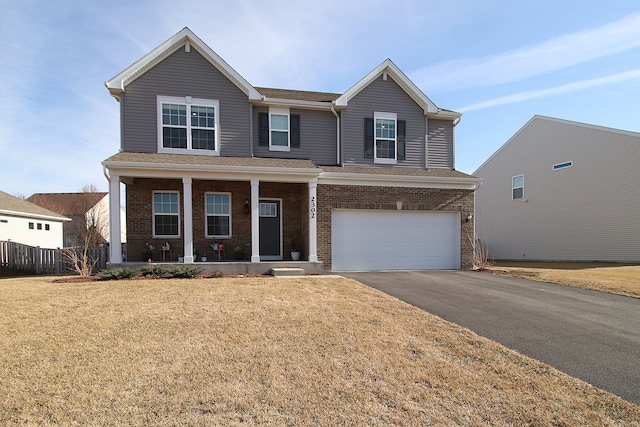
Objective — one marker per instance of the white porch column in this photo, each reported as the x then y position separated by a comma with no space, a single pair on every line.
115,245
187,193
255,220
313,217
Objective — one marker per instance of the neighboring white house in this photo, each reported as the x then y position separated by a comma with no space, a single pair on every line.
29,224
561,190
83,208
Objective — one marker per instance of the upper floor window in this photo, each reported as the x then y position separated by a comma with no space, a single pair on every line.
166,213
384,138
279,129
186,123
218,213
517,187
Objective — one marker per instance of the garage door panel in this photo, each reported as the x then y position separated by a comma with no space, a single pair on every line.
390,240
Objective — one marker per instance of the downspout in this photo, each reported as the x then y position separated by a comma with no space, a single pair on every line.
453,148
250,130
338,145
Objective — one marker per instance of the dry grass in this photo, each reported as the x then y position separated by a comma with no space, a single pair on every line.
608,277
264,351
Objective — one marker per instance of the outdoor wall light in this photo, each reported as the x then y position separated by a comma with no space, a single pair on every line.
246,209
469,217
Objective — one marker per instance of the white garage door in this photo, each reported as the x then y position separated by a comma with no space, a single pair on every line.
394,240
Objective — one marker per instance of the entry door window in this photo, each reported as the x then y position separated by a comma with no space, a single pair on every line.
270,230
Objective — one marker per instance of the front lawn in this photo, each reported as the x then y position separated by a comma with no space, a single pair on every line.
265,351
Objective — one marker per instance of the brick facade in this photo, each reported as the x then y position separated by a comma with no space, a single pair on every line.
140,216
384,198
295,221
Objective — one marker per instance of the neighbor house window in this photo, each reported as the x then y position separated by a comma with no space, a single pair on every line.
186,123
166,214
31,226
218,213
517,187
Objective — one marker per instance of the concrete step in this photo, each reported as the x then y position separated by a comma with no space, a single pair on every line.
283,272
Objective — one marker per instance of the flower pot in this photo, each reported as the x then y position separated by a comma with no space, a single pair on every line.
295,256
180,259
203,259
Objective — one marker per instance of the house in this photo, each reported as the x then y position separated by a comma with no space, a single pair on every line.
364,180
29,224
85,209
561,190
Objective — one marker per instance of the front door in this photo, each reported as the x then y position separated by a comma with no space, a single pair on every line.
270,230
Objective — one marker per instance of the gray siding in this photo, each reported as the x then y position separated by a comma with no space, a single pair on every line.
585,212
184,74
440,146
317,137
383,96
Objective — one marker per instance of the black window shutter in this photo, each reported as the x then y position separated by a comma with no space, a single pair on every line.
402,128
295,130
368,137
263,128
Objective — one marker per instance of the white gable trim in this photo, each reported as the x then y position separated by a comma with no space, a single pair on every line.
553,119
389,69
188,39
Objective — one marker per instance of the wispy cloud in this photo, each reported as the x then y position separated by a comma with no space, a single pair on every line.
554,91
529,61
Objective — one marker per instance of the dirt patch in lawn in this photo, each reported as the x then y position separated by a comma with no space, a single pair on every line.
608,277
255,351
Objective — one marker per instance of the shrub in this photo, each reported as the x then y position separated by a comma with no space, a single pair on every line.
163,271
116,274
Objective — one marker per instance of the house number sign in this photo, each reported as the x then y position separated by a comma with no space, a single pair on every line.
312,209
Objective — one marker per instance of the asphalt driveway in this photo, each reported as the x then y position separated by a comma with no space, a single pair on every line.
590,335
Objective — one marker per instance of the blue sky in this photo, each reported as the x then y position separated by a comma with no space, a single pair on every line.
497,62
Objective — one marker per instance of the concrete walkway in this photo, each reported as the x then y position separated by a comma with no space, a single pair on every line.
590,335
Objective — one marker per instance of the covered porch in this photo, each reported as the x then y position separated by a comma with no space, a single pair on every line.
270,206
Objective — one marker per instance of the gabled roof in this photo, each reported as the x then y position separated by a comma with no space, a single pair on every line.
187,38
10,205
538,118
68,203
388,68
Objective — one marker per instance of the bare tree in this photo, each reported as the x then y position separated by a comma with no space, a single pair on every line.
87,230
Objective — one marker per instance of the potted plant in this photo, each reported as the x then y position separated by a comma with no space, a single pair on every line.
147,253
295,250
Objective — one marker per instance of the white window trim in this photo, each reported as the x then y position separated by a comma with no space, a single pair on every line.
153,214
280,111
188,101
513,188
388,116
207,215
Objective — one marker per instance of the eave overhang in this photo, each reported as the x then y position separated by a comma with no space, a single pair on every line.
34,216
117,85
412,181
390,69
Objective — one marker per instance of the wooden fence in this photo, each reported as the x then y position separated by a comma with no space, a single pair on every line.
39,260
